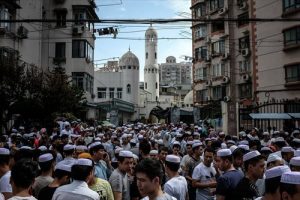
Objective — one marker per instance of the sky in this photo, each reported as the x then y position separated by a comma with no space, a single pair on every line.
132,35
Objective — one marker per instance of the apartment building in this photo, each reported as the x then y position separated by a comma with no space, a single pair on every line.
50,44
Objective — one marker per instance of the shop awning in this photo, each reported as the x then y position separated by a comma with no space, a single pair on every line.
272,116
295,115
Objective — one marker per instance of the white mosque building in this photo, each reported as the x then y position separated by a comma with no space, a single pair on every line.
118,97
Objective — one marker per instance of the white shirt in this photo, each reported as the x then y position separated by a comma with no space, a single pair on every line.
22,198
77,190
176,187
4,183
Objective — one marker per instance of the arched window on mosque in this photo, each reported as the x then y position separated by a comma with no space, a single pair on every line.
128,88
146,55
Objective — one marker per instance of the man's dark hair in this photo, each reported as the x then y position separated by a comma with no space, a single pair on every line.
46,166
4,159
58,173
145,147
252,161
172,166
151,168
238,152
96,148
291,189
272,184
121,159
23,154
81,172
209,149
69,152
229,158
23,173
163,148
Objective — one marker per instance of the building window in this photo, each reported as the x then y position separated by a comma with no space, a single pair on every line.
200,10
218,26
201,53
218,92
218,69
215,5
201,95
245,90
78,16
292,73
128,88
82,49
244,42
218,47
200,31
201,74
101,93
60,50
290,5
111,93
155,55
156,85
5,15
146,85
83,81
243,19
244,66
146,55
291,36
61,18
119,93
129,67
77,79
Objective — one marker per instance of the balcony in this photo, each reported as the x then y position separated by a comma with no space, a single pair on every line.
10,4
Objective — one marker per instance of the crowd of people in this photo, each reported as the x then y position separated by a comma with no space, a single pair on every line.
149,162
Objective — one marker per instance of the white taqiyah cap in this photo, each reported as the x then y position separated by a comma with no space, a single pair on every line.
4,151
45,157
176,143
273,157
297,153
265,149
244,142
196,134
117,150
291,178
221,133
135,157
68,147
244,146
190,143
43,148
223,146
250,155
94,144
224,152
296,140
63,167
287,149
140,137
295,161
232,148
26,147
160,142
266,133
173,159
196,144
81,147
279,139
178,135
84,162
153,152
126,154
231,142
276,171
133,141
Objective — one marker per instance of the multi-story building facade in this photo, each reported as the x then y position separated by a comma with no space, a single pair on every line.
222,59
49,44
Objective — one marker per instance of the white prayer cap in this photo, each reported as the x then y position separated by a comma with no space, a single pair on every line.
97,139
207,139
188,132
140,137
196,144
160,142
279,139
176,143
231,142
26,147
296,140
43,148
273,157
232,148
196,134
297,153
189,142
295,161
68,147
117,150
223,146
178,135
173,159
265,149
291,178
84,162
250,155
244,146
45,157
242,133
135,157
287,149
133,141
124,136
244,142
63,167
153,152
224,152
75,135
266,133
81,147
221,133
4,151
126,154
276,171
94,144
66,123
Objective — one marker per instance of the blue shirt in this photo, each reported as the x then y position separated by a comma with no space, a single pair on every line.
101,170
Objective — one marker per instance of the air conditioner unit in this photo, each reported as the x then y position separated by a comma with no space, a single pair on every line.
222,11
208,98
78,30
246,77
225,56
208,40
226,98
22,32
225,80
245,52
243,5
208,83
